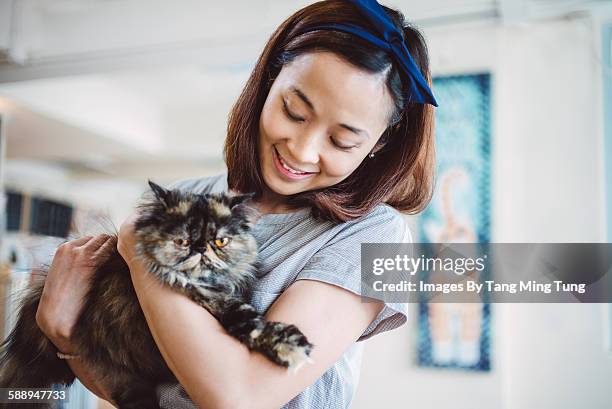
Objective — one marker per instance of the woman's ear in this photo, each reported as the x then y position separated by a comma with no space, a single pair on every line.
376,148
382,141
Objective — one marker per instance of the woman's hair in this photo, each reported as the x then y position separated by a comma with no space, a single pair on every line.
401,172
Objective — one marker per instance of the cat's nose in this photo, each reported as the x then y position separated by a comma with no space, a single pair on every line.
191,262
210,254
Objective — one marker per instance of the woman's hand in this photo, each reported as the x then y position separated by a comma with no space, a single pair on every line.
67,284
126,243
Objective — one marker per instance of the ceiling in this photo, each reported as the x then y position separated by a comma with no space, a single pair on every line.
105,87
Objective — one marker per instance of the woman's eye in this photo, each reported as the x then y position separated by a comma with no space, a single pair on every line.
222,242
342,147
291,115
181,242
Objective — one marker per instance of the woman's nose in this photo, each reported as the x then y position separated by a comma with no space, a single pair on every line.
304,149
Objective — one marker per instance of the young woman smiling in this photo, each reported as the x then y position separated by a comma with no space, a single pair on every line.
334,134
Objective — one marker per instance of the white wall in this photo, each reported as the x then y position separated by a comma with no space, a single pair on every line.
547,186
390,378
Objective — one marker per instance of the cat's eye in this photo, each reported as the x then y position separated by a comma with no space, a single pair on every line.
222,242
181,242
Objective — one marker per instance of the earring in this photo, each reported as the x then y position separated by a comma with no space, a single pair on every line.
371,155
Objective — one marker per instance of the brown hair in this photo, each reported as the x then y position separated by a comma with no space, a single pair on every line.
401,172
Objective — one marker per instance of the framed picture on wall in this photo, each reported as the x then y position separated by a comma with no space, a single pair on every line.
456,335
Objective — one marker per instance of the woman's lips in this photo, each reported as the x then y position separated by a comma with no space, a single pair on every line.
278,163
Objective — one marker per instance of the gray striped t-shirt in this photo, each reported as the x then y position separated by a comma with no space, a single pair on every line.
295,246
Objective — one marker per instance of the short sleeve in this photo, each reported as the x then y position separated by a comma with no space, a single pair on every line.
339,262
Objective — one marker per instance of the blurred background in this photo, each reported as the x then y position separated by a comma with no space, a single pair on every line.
97,96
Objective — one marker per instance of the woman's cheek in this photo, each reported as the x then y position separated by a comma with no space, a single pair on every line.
274,123
275,128
339,166
267,119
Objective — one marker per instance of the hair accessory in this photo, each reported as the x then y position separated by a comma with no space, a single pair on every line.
61,355
371,155
389,38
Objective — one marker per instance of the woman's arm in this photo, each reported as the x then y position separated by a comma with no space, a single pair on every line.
84,373
215,369
79,368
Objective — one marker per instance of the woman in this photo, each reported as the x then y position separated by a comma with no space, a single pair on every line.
333,132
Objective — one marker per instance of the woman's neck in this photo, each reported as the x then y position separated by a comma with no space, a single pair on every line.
271,202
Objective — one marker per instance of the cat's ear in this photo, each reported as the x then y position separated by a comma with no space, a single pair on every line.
247,214
160,193
239,198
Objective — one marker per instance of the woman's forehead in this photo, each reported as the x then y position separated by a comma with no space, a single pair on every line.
338,89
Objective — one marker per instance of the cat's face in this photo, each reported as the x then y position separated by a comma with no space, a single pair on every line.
195,235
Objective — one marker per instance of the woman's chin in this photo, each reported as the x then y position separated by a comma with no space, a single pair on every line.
283,188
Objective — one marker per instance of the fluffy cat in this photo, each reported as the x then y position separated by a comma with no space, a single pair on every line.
198,244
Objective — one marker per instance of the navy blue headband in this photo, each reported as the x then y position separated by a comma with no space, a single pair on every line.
389,39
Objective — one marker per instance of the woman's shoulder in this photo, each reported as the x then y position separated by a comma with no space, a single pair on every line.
382,224
384,211
206,184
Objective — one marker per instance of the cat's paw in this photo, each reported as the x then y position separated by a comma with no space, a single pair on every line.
292,348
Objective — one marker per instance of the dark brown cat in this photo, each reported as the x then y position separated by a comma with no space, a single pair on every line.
200,245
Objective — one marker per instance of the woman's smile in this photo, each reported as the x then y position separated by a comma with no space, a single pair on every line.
286,170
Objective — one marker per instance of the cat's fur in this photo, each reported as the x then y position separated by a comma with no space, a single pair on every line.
111,333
